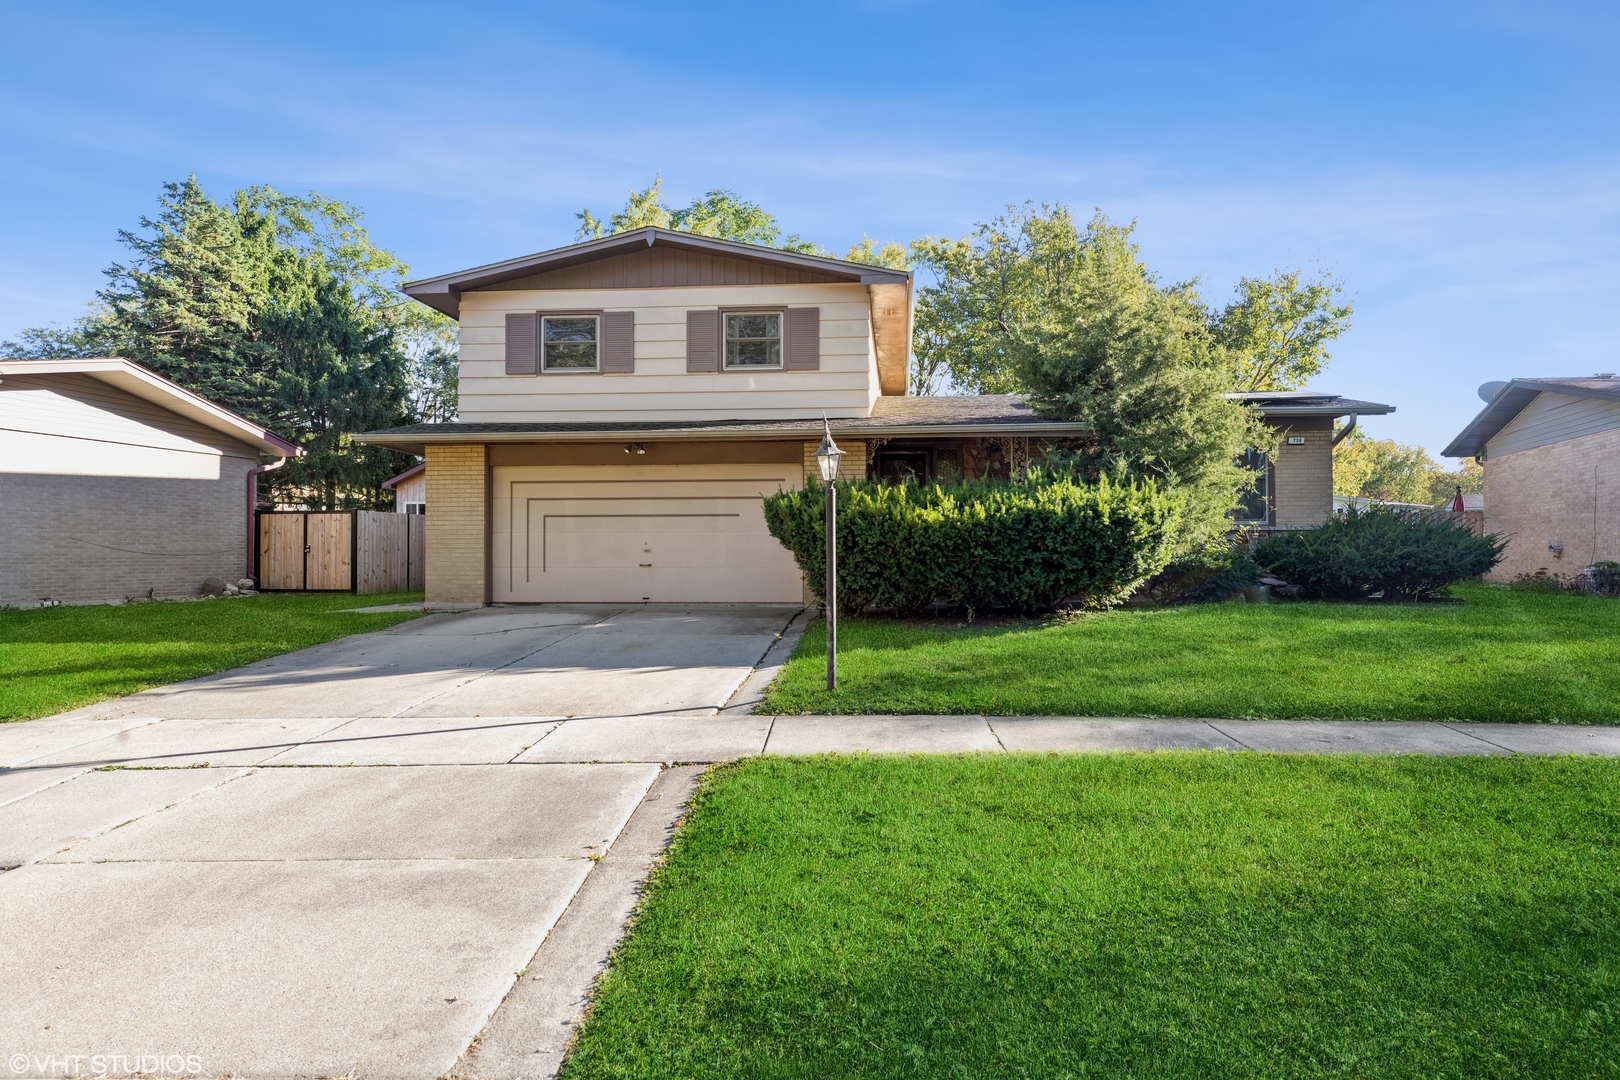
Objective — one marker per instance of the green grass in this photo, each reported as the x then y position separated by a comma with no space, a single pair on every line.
52,659
1151,915
1500,655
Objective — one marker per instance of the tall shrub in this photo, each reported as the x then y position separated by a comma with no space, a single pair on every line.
1025,546
1404,556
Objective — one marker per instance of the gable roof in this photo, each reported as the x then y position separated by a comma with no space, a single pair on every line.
443,293
133,379
406,475
1512,397
1308,403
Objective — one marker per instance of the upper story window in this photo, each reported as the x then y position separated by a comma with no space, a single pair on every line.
753,339
569,342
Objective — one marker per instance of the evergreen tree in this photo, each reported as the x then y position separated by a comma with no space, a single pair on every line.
281,309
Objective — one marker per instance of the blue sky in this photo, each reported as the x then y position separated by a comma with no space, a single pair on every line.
1455,163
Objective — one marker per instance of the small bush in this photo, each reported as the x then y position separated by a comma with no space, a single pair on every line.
1603,578
1214,572
976,544
1403,556
1542,582
1599,579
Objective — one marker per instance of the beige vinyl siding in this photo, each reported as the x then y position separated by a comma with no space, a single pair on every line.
1553,418
74,425
660,388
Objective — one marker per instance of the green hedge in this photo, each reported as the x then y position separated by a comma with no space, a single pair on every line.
1403,555
977,544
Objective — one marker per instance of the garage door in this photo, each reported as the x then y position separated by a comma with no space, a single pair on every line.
686,533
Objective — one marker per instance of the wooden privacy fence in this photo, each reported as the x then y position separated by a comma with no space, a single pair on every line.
358,551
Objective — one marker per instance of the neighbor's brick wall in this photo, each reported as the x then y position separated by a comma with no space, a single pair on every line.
1302,476
93,539
1568,492
455,524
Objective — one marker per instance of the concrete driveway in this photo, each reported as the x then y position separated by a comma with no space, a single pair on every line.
192,890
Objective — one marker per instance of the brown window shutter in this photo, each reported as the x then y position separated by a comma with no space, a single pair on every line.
618,342
522,344
803,351
703,340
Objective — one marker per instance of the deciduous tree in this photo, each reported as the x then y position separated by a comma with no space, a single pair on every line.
1277,329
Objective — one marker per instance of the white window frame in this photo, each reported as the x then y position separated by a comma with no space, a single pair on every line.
595,317
781,339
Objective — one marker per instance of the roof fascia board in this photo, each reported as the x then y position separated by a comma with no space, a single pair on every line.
1337,410
810,431
137,381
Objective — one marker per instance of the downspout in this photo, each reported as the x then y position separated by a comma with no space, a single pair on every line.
253,506
1348,428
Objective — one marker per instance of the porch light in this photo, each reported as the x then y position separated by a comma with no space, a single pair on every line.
827,455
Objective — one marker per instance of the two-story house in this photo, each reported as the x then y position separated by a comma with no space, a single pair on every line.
626,402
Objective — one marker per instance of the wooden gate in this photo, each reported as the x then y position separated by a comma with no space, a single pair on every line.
389,551
341,551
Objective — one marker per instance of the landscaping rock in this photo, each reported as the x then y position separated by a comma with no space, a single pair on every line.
245,584
212,587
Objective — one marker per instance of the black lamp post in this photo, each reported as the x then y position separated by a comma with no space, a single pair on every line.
827,458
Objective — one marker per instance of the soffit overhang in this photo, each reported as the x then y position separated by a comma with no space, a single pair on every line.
137,381
1511,400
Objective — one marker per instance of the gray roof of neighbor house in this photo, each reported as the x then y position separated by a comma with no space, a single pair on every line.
134,379
1510,399
1309,403
444,292
892,417
406,475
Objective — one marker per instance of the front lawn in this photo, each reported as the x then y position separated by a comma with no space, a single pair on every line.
52,659
1148,915
1501,655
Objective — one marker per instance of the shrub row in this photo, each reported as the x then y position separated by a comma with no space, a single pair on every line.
1402,555
979,544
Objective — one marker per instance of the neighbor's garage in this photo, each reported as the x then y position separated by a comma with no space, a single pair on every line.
658,533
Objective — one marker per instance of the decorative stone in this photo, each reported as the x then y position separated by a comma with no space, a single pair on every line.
212,587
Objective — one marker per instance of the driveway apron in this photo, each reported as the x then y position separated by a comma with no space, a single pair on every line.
189,881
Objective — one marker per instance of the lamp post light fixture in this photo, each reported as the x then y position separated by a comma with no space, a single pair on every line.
827,458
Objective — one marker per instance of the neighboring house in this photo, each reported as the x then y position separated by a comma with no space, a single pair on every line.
1341,503
115,482
1295,489
625,403
1550,449
410,490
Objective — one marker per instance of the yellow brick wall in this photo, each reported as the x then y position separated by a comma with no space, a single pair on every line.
1302,476
852,466
455,524
1566,493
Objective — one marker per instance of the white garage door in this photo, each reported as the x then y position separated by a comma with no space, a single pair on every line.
633,534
